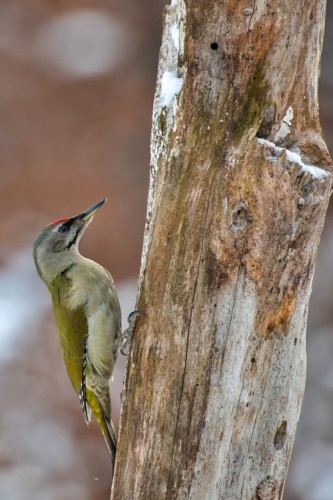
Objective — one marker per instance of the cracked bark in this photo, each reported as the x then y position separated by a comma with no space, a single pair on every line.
216,373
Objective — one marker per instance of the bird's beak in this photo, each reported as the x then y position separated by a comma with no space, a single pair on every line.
87,214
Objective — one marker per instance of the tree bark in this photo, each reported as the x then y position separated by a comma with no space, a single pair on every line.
240,183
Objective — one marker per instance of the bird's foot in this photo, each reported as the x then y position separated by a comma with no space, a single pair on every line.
126,337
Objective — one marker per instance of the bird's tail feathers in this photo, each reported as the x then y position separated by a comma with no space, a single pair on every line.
109,434
99,406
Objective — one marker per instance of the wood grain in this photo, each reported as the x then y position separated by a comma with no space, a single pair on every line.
216,373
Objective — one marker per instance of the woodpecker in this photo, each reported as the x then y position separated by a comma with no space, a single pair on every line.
87,315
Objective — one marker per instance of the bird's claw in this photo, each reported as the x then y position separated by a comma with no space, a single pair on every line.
128,333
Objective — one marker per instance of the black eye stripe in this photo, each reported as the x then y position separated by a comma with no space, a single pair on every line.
65,226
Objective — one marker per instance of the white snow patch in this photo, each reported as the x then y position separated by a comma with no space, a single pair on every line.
268,143
316,172
283,131
285,124
288,116
171,85
174,30
173,2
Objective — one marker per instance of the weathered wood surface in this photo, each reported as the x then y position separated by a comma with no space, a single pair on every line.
217,369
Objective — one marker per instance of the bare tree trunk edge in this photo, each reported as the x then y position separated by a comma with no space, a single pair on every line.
240,183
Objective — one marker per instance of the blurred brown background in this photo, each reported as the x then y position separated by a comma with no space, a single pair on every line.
76,89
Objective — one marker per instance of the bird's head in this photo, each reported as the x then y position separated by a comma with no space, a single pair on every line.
56,244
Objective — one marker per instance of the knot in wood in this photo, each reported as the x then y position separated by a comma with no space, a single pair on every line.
248,11
280,435
240,217
266,490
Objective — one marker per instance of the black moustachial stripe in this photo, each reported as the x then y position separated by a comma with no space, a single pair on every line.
74,239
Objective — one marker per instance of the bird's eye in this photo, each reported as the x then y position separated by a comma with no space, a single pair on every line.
63,228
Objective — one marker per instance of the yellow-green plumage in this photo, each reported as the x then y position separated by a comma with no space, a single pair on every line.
72,328
87,315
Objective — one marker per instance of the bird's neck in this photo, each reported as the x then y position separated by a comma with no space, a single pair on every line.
52,265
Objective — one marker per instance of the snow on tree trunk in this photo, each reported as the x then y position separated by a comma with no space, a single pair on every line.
240,182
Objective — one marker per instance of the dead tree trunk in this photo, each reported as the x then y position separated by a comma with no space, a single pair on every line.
240,182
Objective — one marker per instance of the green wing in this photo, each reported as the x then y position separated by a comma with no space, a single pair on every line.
72,329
